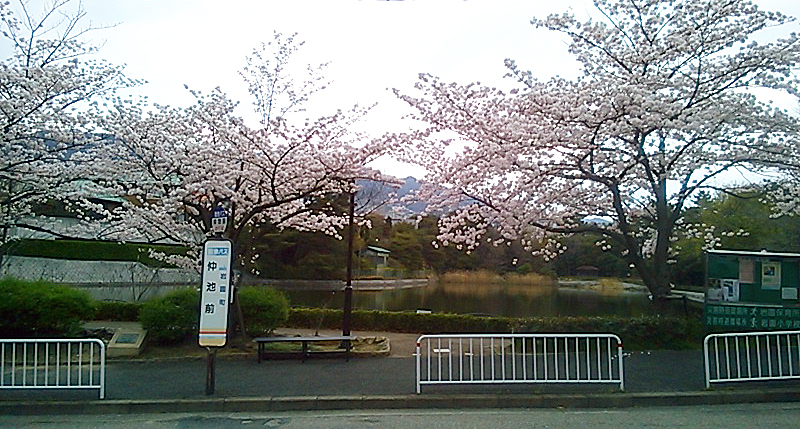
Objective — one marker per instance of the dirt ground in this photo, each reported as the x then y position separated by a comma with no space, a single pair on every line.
400,345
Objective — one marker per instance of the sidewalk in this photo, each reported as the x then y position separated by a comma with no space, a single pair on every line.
178,385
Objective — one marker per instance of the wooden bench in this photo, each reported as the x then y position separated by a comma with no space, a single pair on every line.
263,341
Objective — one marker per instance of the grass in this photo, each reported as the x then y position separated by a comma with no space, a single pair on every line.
610,283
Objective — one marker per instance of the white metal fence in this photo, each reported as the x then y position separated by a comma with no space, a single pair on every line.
53,364
752,356
519,358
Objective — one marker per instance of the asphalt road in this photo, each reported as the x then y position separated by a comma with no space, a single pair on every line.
770,415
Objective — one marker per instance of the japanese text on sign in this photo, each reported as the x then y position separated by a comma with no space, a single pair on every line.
217,251
752,317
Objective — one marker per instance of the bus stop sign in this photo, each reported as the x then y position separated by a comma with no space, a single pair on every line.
216,292
219,220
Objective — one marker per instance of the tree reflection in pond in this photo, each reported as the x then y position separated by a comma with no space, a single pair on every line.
489,299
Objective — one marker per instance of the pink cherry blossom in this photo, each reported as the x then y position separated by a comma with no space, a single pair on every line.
663,108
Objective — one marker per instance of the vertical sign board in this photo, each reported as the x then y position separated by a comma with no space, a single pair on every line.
215,295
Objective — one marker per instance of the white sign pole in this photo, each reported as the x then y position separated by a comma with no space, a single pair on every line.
215,301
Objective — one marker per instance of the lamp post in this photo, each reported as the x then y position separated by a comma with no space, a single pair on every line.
348,288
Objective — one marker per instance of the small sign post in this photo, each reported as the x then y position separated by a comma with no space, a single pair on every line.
215,300
219,220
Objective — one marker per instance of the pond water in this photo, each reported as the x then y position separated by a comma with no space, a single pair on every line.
488,299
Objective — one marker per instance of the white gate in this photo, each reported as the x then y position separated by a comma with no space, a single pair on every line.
752,356
53,364
519,358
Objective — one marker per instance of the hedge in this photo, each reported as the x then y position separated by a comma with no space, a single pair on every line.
117,310
41,309
172,318
263,308
638,333
91,250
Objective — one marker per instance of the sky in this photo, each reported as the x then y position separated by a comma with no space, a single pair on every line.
372,46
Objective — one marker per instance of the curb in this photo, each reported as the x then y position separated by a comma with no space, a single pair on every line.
312,403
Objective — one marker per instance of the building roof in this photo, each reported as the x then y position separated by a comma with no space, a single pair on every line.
377,249
762,253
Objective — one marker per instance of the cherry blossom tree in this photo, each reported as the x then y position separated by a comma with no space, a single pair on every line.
47,134
180,164
664,108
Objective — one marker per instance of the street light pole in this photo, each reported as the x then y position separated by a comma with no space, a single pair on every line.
348,289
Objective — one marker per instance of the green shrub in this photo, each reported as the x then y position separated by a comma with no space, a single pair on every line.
117,310
263,309
92,250
637,333
524,268
39,309
172,318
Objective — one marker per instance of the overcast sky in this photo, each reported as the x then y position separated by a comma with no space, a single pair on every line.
373,46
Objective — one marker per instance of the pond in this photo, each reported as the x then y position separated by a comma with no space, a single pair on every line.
489,299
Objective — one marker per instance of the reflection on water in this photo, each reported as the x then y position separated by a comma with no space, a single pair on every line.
492,299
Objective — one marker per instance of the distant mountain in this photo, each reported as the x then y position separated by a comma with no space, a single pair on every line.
597,220
387,198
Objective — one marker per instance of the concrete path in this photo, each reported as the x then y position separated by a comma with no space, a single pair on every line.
242,384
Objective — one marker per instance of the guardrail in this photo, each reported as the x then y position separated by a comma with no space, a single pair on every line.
751,356
518,358
53,364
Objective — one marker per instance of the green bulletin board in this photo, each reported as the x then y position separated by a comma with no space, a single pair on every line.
752,290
